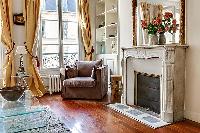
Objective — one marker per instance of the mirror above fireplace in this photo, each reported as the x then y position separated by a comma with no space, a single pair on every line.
156,17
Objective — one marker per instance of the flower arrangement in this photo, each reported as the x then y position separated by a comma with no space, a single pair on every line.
158,25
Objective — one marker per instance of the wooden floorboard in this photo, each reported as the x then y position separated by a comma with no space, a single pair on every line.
82,116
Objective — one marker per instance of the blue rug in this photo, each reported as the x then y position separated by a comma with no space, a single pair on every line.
38,119
138,115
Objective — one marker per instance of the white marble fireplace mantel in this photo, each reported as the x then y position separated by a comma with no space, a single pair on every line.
168,61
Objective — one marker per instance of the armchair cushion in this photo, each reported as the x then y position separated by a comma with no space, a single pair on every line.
71,72
85,67
80,82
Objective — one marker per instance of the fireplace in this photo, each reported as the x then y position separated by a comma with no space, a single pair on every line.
154,78
147,88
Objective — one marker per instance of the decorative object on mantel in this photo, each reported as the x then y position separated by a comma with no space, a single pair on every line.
162,39
153,39
160,26
18,19
138,115
168,24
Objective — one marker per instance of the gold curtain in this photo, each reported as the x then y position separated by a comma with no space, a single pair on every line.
85,27
31,12
6,38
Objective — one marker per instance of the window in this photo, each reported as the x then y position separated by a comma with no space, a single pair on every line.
69,5
50,5
59,33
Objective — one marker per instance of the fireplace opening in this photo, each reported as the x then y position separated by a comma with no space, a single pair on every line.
147,88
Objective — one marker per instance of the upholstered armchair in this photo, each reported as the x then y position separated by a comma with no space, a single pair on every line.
86,80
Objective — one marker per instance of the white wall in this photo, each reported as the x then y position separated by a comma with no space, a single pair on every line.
125,25
192,93
125,21
18,30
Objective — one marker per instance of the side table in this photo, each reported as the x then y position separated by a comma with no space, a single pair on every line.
116,88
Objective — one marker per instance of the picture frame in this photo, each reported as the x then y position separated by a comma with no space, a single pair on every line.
18,19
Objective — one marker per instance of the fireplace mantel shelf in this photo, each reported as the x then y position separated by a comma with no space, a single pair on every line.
174,45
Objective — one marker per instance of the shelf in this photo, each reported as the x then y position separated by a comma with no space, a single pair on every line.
108,26
111,38
102,41
101,2
111,25
102,28
101,14
106,54
114,10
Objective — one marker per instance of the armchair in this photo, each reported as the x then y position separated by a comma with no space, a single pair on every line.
87,80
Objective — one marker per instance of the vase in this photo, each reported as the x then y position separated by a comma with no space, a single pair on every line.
153,39
102,49
114,47
162,39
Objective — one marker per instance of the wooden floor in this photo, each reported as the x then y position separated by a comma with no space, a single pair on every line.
82,116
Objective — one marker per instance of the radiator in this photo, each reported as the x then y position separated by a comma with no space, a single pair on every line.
54,83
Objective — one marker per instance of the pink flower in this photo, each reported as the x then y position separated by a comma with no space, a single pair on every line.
174,29
168,15
157,21
166,28
174,22
144,24
160,30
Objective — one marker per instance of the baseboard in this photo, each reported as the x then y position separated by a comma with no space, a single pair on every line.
194,116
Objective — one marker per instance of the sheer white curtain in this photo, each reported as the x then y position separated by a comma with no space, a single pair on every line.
2,53
2,50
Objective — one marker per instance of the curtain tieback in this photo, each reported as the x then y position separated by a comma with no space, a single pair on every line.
10,50
35,57
92,51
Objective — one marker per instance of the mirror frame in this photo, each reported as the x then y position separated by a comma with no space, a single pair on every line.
182,22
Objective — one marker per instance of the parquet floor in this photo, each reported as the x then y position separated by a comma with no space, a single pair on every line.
83,116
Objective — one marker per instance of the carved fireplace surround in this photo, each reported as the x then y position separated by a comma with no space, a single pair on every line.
168,61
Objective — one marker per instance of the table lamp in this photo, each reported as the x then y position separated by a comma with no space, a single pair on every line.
21,50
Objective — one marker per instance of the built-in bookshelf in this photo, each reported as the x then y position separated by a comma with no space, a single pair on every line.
107,31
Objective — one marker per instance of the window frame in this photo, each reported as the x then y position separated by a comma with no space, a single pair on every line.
61,38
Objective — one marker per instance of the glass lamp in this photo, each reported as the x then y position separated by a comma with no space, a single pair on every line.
21,50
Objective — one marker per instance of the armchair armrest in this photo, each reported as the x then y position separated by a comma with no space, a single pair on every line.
102,78
69,72
101,71
62,74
